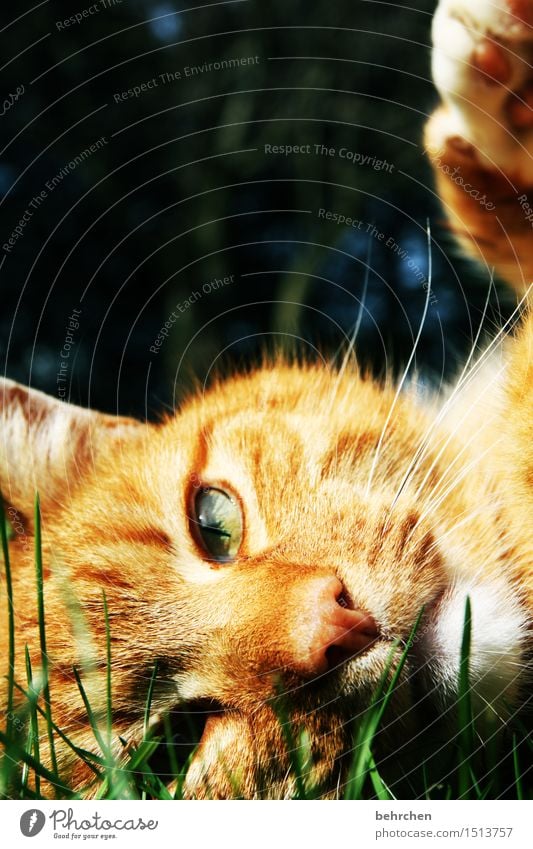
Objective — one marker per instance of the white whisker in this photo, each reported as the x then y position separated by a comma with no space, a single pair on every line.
451,435
454,483
471,515
431,430
407,368
360,312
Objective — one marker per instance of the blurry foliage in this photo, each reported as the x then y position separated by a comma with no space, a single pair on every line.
172,201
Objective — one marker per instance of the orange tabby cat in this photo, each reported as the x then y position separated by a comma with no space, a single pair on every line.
287,526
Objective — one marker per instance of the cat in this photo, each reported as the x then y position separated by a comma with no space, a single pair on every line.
288,525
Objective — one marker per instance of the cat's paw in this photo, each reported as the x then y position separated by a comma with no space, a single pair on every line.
483,68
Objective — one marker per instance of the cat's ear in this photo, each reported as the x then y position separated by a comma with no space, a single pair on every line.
47,446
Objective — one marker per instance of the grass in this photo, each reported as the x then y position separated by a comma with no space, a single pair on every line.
448,763
42,632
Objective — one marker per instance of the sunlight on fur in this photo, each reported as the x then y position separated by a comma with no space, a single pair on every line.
286,526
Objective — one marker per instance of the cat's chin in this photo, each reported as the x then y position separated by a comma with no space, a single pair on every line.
247,743
498,633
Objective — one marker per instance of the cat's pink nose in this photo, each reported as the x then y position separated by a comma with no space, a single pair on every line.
329,631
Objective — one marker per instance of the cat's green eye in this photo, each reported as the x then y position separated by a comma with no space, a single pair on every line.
218,523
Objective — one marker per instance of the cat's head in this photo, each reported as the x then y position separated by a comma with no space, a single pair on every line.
270,547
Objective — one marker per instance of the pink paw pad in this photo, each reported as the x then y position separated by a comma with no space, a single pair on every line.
520,108
461,146
523,10
490,58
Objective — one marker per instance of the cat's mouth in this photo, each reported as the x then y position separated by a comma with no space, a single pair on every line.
181,734
190,724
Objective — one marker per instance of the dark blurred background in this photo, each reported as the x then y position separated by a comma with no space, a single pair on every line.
140,127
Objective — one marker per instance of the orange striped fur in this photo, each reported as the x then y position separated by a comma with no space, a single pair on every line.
407,503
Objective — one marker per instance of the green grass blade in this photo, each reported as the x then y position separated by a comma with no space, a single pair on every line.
153,786
148,705
374,715
143,754
33,734
526,735
11,621
171,748
293,749
92,760
91,717
517,772
428,785
109,691
464,710
115,782
366,732
24,789
42,633
380,788
22,755
147,709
